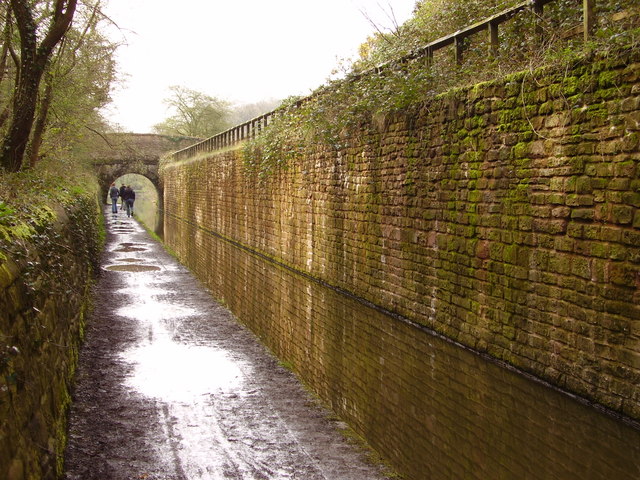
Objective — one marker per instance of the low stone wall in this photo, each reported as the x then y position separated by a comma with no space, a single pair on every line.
44,293
504,216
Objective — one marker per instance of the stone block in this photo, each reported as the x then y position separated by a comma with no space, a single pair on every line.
622,214
9,272
16,470
585,214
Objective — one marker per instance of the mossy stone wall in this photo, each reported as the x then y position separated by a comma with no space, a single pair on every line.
44,294
503,216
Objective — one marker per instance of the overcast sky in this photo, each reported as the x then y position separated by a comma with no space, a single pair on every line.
243,51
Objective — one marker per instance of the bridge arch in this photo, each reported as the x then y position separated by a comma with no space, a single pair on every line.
121,154
147,205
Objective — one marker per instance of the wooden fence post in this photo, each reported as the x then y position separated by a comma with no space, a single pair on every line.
588,17
459,43
428,55
494,41
538,9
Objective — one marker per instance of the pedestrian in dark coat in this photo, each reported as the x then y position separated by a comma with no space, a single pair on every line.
129,198
123,187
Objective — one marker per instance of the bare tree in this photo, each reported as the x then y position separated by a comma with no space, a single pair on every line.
196,114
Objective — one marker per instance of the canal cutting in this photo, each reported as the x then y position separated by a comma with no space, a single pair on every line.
171,386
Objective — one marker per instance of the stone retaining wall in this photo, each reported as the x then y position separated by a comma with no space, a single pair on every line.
503,216
44,293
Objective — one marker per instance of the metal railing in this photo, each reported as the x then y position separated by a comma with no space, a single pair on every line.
228,138
252,128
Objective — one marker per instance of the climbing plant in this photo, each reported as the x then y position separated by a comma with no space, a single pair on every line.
366,94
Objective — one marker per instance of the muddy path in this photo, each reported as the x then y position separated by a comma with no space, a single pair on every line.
170,386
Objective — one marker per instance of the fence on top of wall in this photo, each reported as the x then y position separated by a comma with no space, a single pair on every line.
253,127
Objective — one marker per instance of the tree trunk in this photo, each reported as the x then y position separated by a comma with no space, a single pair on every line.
41,122
33,60
15,142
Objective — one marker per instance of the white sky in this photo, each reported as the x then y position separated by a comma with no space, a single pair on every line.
243,51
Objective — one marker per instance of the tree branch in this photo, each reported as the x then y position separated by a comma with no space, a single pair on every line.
61,23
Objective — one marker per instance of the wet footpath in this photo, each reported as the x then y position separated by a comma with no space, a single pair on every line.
170,386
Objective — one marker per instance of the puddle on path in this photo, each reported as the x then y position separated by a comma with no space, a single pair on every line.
133,268
174,372
147,310
127,249
164,367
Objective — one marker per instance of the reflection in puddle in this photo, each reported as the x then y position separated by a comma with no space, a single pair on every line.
150,311
175,372
165,368
133,268
146,289
144,293
130,249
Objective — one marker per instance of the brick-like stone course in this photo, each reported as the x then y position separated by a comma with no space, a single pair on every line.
44,293
433,409
503,216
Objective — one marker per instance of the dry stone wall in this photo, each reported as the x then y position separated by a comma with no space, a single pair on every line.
504,216
44,293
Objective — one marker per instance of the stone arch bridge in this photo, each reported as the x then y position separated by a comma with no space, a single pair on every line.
118,154
140,153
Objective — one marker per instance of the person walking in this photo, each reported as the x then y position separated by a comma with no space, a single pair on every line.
114,193
122,202
129,198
